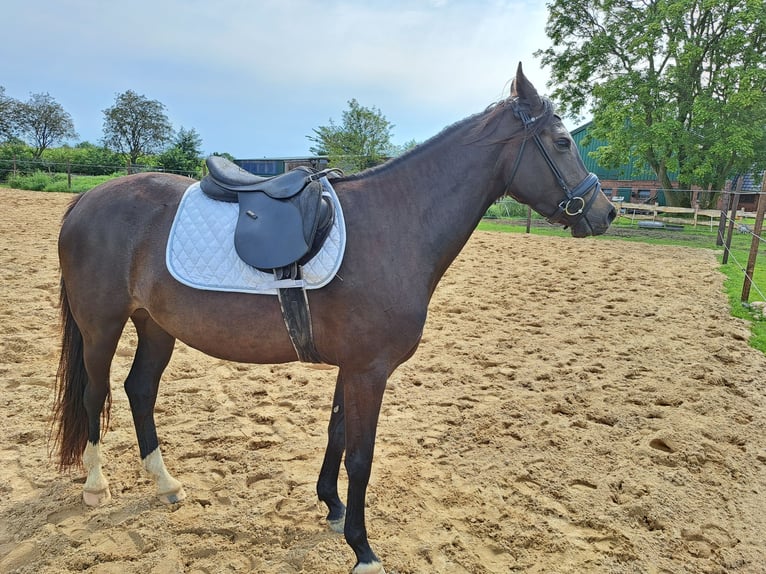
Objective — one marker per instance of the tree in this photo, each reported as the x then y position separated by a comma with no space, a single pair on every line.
362,139
184,155
136,126
678,84
8,108
396,150
42,122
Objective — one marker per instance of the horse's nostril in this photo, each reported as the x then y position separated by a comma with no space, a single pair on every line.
612,214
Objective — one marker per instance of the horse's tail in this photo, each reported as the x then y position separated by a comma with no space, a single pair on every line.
70,419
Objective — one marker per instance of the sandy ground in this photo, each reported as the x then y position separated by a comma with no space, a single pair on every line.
576,406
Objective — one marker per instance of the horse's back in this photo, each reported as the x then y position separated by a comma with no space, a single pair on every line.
139,191
111,228
120,206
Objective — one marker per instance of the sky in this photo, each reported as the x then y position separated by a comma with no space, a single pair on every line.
255,77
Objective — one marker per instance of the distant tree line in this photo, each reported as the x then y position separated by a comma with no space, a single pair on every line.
137,134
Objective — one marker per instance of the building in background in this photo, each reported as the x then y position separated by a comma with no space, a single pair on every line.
632,184
268,167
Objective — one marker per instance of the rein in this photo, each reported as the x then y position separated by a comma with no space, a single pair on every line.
573,207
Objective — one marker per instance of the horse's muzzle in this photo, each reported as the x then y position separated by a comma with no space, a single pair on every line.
597,219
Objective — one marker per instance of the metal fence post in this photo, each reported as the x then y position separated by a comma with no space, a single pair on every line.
730,230
755,243
725,203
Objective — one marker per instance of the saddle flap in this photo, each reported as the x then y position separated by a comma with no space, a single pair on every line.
273,233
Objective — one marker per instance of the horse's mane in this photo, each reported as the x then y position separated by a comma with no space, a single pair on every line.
485,125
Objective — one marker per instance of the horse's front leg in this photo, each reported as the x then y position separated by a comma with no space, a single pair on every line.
327,485
363,395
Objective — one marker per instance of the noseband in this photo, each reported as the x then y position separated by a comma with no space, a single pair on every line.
574,207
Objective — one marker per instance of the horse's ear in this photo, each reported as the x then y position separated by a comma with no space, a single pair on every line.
523,89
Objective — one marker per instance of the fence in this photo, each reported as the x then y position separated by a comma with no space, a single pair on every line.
666,214
13,166
728,222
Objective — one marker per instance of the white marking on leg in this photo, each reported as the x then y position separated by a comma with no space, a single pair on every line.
338,524
96,489
169,489
369,568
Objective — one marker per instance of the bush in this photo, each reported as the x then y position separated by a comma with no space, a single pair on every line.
507,208
14,155
37,181
59,182
84,159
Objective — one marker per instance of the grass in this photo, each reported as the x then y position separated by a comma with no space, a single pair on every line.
701,237
735,278
56,182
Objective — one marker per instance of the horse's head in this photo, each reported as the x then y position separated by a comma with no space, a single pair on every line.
544,169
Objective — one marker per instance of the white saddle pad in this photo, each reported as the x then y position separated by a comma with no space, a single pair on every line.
201,254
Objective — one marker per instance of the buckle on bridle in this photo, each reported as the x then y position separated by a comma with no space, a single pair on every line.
567,207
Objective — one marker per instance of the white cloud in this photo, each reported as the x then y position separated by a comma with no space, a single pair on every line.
231,63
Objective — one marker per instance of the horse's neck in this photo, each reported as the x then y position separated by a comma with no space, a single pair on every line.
433,198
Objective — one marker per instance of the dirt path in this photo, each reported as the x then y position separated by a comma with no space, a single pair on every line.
576,406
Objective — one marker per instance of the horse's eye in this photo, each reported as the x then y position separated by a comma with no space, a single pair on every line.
563,143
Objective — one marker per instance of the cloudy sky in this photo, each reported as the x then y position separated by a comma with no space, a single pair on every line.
255,77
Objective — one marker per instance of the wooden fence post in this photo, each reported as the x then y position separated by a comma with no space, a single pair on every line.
529,218
755,243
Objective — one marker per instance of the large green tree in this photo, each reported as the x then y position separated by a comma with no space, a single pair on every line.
361,140
8,107
677,84
184,156
136,126
42,121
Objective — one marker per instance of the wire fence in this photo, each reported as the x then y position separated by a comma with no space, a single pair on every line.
14,167
728,223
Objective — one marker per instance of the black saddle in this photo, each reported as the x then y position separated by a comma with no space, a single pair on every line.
283,220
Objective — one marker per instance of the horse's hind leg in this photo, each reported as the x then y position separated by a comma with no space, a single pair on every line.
97,359
327,485
155,347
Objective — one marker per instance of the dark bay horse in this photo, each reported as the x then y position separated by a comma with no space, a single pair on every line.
406,221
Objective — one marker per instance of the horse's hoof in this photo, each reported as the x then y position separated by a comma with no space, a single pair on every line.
338,524
96,497
173,496
369,568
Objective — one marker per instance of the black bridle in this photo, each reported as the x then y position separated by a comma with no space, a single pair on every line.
574,206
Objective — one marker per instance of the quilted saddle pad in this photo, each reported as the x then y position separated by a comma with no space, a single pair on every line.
200,251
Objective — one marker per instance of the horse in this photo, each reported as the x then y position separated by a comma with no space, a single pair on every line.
406,221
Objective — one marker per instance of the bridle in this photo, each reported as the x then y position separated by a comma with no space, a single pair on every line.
574,207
